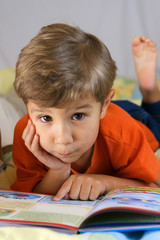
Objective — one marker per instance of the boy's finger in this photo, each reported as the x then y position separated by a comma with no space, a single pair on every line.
85,191
63,191
94,193
26,130
29,137
75,188
35,144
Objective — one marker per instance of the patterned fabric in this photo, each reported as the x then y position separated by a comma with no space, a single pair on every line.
127,89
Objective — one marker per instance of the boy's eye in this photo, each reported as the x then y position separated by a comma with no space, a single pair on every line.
46,118
78,116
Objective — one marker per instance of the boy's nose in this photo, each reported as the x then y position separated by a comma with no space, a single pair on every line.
63,135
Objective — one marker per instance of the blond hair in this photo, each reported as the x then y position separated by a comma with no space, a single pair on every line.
61,64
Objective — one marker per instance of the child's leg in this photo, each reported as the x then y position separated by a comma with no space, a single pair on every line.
145,59
142,115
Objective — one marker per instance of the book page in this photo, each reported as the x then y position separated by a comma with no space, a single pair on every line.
143,199
36,208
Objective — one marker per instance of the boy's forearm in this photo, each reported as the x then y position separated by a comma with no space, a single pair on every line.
52,181
157,182
115,182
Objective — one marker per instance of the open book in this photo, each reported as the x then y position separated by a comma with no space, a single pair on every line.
126,208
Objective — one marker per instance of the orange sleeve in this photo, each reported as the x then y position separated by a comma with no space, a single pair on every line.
29,170
133,156
137,162
122,148
149,136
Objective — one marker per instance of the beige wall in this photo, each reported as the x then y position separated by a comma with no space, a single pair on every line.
116,22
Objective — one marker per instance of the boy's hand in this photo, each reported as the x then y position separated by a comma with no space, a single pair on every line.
31,140
82,186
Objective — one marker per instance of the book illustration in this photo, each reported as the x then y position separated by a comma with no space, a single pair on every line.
132,197
5,212
23,196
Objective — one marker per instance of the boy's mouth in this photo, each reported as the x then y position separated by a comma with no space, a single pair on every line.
64,154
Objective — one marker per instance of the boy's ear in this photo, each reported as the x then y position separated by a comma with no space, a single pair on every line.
107,102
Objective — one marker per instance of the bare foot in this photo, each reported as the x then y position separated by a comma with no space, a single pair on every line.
145,59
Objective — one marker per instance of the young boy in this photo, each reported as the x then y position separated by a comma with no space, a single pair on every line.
74,142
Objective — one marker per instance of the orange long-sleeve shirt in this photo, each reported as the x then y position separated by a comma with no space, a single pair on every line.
124,148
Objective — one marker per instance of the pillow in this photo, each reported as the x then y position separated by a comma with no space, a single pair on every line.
7,76
12,107
126,89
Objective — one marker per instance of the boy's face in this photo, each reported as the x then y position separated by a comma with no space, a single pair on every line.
70,132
